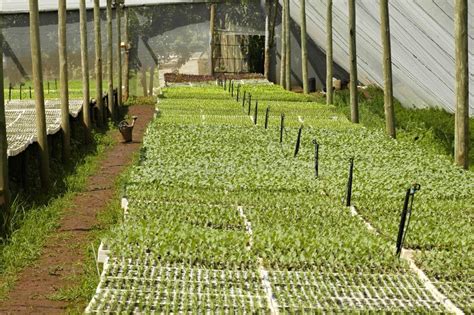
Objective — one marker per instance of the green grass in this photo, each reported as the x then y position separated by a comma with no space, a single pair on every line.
432,128
35,218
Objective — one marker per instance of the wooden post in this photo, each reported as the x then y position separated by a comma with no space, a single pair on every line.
118,17
283,47
98,64
353,61
4,185
271,12
461,142
126,62
110,61
212,22
304,49
152,75
387,69
329,55
63,80
145,87
288,46
39,94
85,71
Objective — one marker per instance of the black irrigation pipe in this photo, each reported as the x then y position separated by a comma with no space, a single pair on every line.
267,112
405,217
243,99
238,92
349,182
316,157
10,92
282,126
256,113
298,142
250,104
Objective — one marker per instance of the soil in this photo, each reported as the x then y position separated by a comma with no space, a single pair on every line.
62,257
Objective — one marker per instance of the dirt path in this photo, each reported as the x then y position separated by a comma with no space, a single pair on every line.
63,256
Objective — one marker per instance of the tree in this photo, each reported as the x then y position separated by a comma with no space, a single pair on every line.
461,141
353,62
39,94
329,58
387,69
304,49
63,80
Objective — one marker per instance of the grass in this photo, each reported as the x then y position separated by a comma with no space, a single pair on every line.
432,128
35,218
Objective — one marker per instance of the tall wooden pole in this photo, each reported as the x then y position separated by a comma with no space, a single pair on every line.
85,71
266,69
304,48
126,62
288,46
387,69
283,47
329,55
4,186
271,8
145,86
118,13
461,138
212,22
39,94
98,64
353,61
63,80
110,61
152,82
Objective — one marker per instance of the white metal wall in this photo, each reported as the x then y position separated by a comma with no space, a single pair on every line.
422,46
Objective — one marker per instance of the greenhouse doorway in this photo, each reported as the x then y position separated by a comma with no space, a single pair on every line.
235,52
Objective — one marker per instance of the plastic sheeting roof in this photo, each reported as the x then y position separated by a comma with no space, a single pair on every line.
422,46
22,6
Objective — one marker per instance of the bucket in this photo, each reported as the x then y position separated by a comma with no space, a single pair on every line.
126,129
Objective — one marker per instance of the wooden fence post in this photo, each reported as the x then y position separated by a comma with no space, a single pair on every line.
353,62
304,49
110,61
98,64
461,142
118,17
4,185
63,80
39,94
387,69
329,55
85,72
212,21
283,47
288,46
126,62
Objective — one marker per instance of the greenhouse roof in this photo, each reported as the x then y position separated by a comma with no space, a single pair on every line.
21,6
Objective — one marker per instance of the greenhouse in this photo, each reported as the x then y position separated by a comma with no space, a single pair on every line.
236,157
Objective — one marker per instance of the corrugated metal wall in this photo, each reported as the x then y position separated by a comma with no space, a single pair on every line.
422,46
